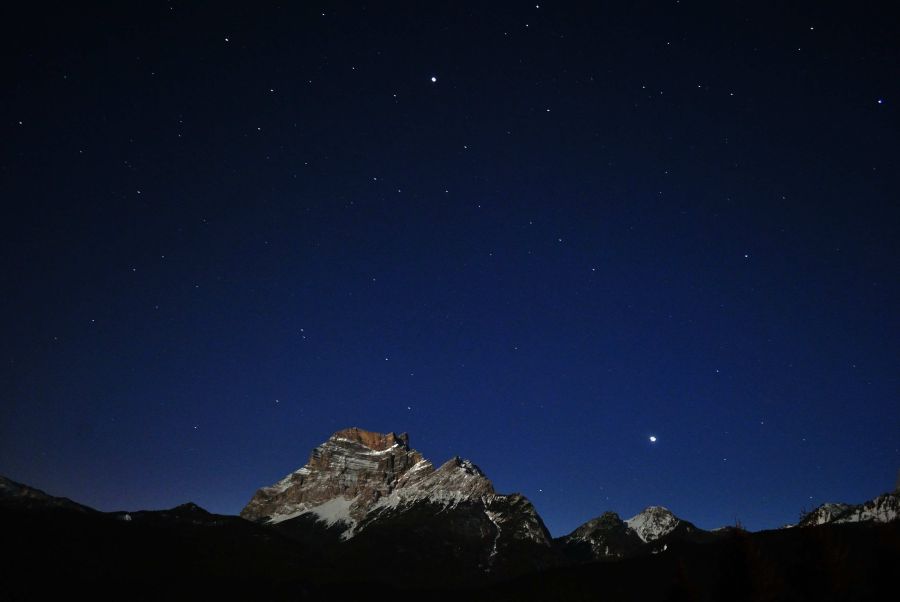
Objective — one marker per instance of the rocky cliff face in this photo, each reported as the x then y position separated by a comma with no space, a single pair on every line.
343,479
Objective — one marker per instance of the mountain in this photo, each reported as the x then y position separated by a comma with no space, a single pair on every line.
19,496
361,491
655,522
604,537
883,509
56,548
608,537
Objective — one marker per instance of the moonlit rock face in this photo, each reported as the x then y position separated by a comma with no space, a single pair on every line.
355,465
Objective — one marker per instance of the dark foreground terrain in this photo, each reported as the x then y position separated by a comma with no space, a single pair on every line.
187,553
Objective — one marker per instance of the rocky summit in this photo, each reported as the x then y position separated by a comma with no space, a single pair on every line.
343,478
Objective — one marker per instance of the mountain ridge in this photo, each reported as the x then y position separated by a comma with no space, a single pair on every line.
370,502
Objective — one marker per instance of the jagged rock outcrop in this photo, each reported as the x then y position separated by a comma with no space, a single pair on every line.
883,509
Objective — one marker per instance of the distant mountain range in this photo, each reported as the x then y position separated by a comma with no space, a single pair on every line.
367,510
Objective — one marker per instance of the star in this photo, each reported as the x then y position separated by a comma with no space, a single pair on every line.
652,438
433,79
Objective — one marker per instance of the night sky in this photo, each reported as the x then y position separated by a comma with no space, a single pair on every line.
533,235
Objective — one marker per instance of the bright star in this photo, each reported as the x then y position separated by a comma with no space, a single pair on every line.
433,79
652,438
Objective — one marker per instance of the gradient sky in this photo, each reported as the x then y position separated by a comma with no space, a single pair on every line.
532,235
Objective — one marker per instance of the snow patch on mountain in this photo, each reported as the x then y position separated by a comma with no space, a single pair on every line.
336,510
495,518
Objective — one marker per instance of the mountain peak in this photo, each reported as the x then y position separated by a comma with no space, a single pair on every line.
190,507
372,440
342,479
653,522
605,522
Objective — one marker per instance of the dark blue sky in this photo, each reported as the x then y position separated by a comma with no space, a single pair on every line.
229,232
